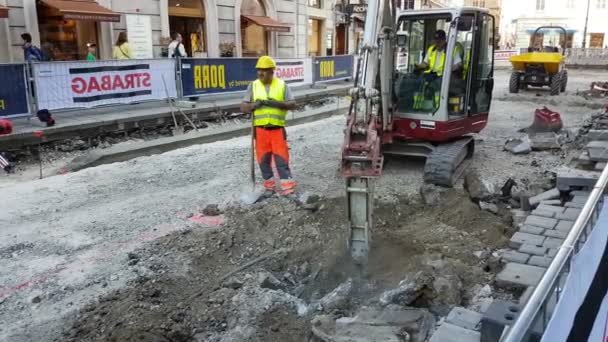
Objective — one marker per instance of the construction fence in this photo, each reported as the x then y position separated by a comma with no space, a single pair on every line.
83,84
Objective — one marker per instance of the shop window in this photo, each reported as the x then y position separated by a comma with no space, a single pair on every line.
187,17
540,5
255,37
64,40
597,40
314,3
601,4
314,37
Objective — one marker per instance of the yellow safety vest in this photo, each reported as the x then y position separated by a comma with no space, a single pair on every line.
266,116
432,53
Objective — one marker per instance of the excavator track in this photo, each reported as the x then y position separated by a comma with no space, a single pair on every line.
447,163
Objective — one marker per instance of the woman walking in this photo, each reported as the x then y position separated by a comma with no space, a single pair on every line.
122,49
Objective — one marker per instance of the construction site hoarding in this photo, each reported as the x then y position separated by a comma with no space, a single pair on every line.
202,76
63,85
333,68
13,93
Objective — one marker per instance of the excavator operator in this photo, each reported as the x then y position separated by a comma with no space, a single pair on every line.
433,67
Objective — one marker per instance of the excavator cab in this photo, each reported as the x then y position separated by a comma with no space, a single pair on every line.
458,86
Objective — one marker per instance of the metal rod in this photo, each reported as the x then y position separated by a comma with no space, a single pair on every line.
586,24
542,290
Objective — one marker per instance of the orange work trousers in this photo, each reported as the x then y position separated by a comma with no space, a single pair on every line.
271,143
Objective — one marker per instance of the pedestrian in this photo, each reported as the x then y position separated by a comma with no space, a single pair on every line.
176,47
122,50
31,53
269,98
91,55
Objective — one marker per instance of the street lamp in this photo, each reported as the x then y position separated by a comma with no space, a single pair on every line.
586,23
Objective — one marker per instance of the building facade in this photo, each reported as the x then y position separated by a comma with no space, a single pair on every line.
570,14
210,28
494,6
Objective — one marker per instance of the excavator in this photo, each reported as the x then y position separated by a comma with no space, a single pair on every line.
400,106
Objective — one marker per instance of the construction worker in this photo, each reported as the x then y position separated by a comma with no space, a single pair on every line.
433,66
434,60
269,98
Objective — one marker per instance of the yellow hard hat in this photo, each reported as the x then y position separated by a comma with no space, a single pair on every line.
266,62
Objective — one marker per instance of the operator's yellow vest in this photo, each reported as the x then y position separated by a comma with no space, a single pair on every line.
266,116
432,53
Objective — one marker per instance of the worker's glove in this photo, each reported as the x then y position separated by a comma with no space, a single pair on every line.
258,104
275,104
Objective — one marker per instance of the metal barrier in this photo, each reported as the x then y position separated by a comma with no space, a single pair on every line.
14,94
587,57
551,280
87,84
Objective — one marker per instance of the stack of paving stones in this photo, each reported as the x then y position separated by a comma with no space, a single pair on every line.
531,250
590,163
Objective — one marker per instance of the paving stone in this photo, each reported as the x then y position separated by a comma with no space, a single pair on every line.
544,141
556,233
580,193
579,199
464,318
597,134
553,242
571,214
600,166
552,202
526,295
551,208
534,250
531,229
520,238
514,256
552,252
564,225
451,333
574,205
543,222
547,195
568,178
536,260
543,213
518,275
598,150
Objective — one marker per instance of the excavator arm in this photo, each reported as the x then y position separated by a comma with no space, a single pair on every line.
368,117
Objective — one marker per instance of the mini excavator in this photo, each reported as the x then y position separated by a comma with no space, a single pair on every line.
399,108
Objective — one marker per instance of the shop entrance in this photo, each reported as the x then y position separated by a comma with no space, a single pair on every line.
254,36
187,17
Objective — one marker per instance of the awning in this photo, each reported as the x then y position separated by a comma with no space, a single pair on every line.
543,31
268,23
3,12
82,10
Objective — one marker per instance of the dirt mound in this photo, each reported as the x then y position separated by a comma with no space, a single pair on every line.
286,259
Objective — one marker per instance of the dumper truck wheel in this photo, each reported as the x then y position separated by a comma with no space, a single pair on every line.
564,80
556,84
514,83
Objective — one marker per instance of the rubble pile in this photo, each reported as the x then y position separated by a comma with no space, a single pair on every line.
596,90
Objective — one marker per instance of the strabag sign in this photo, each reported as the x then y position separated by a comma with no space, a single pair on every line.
294,71
90,84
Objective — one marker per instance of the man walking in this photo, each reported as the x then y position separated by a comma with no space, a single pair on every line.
176,47
269,98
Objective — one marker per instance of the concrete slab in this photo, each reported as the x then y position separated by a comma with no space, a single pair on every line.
571,214
560,234
531,229
552,202
543,213
551,208
547,195
520,238
518,275
534,250
600,166
598,134
543,222
544,141
568,178
514,256
580,193
451,333
526,295
598,150
564,225
579,199
574,205
553,242
552,252
464,318
539,261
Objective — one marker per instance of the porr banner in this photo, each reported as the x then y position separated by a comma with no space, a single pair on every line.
89,84
13,92
333,68
202,76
